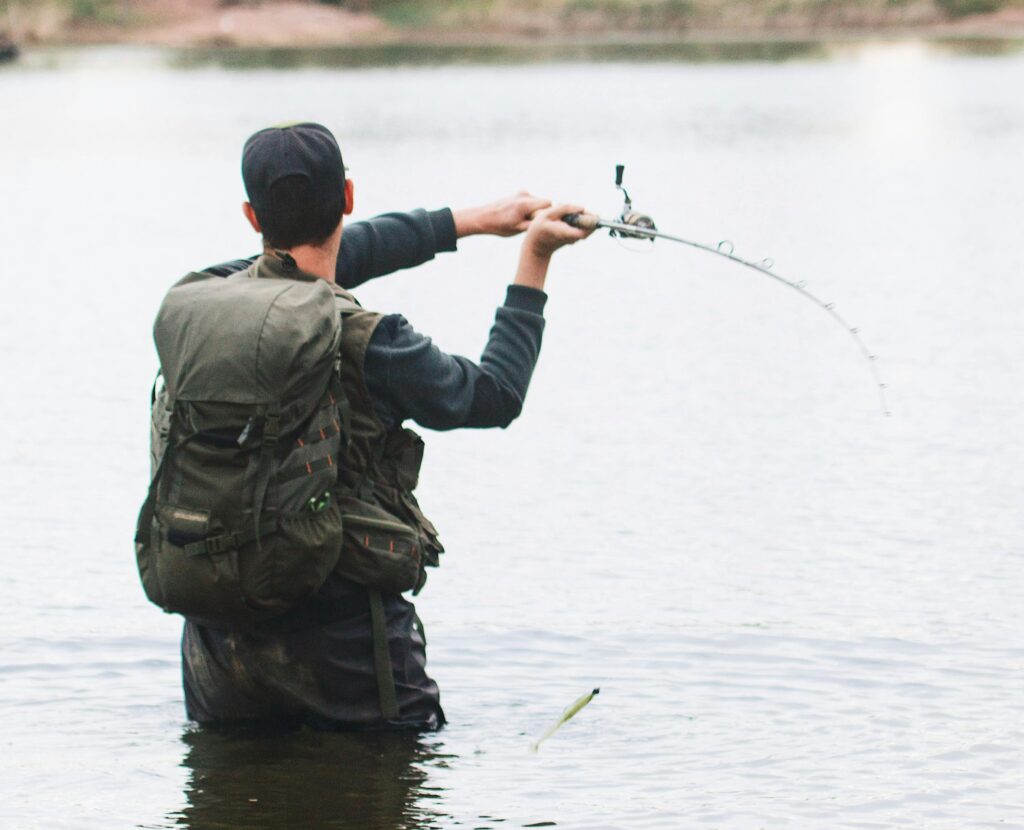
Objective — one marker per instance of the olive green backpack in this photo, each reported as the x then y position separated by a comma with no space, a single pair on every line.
241,519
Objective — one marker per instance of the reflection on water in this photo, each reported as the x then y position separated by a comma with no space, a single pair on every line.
428,55
483,54
979,47
436,55
424,55
275,779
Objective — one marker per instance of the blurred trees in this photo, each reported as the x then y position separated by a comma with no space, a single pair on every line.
658,11
45,19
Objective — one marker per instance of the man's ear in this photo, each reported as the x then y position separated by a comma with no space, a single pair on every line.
250,214
350,190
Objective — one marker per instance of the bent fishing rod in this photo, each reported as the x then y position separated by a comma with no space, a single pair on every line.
631,224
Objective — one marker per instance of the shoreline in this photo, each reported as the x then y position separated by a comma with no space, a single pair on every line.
302,24
433,54
503,53
493,42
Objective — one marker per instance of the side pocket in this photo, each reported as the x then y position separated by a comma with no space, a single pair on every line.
204,586
432,547
295,560
379,550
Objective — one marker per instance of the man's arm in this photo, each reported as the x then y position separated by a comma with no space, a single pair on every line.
410,378
395,241
388,243
380,246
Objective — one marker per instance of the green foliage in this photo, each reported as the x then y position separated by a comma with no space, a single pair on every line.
644,13
415,12
100,11
962,8
408,14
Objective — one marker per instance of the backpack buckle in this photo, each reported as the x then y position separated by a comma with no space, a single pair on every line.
221,544
271,429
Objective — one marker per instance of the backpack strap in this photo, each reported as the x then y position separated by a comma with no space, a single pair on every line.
214,545
152,391
382,658
265,466
346,305
144,526
339,399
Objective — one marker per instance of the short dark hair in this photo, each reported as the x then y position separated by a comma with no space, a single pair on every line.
293,215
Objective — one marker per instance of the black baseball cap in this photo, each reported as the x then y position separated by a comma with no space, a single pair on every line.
307,150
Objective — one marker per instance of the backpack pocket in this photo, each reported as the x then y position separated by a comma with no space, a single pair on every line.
229,579
378,550
303,551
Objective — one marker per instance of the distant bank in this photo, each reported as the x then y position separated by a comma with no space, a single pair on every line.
8,49
308,23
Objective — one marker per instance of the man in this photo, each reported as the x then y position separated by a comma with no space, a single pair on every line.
320,663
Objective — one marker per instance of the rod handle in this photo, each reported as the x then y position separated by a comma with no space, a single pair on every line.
619,170
583,221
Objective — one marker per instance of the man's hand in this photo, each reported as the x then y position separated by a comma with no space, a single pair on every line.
546,234
505,217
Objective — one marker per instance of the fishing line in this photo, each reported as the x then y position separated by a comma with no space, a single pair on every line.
634,225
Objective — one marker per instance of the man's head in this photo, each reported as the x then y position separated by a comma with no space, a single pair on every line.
295,179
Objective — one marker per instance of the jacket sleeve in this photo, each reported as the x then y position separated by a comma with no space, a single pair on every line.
388,243
408,377
379,246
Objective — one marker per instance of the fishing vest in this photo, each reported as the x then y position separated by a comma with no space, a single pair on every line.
388,541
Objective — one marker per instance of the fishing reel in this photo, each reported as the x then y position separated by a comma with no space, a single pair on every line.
622,226
629,216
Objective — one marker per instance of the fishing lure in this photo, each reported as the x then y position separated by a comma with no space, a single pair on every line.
569,712
634,225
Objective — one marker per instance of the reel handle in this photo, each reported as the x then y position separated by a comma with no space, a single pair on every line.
583,221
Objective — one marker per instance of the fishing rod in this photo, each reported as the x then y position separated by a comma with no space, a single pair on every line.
631,224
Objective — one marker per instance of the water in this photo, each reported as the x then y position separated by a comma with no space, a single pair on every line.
800,613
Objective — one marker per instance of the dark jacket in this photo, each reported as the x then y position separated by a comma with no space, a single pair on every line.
317,667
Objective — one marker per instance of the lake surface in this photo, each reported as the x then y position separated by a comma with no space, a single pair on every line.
800,613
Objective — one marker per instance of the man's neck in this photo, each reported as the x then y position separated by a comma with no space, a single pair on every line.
318,261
